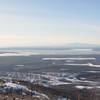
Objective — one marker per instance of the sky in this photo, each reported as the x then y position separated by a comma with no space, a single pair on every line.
49,22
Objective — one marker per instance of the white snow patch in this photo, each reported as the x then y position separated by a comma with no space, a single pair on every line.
88,64
68,58
84,87
20,65
15,86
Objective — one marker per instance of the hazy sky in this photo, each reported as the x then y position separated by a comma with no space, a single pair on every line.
49,22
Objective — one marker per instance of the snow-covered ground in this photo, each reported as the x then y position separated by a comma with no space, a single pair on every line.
49,79
9,86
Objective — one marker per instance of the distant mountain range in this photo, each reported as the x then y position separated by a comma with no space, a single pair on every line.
82,45
60,47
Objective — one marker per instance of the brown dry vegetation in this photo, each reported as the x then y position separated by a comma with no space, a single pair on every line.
17,97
